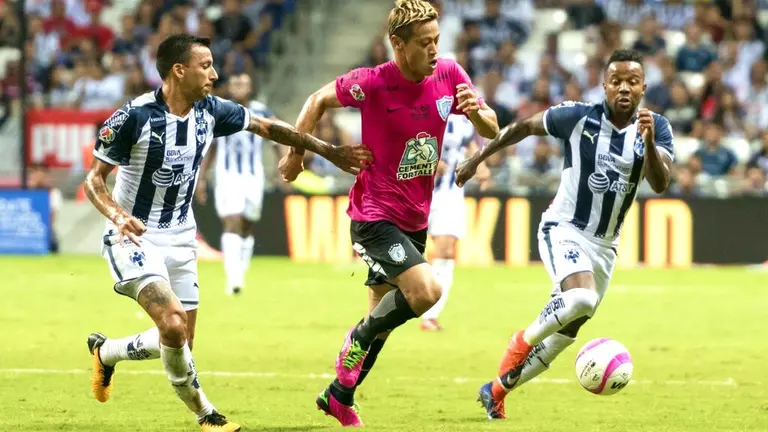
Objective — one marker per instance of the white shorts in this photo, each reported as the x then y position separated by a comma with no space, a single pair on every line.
447,216
566,251
239,195
133,267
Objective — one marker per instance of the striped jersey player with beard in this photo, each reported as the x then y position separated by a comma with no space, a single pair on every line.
157,142
609,149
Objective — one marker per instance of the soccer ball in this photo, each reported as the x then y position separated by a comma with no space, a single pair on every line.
603,366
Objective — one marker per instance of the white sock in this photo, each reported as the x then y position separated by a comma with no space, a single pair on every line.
232,248
247,253
443,271
561,310
542,356
180,368
142,346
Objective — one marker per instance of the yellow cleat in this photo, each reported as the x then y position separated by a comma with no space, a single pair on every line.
102,377
216,422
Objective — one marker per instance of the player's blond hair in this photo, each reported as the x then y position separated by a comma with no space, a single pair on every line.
406,14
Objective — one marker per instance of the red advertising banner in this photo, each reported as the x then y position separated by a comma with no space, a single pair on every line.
56,137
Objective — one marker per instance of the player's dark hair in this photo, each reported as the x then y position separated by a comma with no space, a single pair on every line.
176,49
625,55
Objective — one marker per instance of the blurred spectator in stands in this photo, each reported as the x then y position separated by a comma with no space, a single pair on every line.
232,24
650,39
542,173
657,97
144,21
681,112
5,106
754,183
714,159
60,92
513,74
450,28
730,114
672,14
219,45
10,30
377,54
493,91
583,14
572,91
134,83
58,22
750,47
555,74
593,87
496,28
707,16
710,94
694,56
148,61
685,182
760,158
46,44
627,12
756,100
95,90
127,42
96,30
609,40
39,178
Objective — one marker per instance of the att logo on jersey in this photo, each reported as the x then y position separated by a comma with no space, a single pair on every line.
165,177
599,183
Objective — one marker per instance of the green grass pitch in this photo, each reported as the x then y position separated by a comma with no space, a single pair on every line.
697,338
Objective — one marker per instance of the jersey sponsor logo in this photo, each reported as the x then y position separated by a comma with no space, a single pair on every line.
419,158
154,121
591,137
158,137
609,162
116,120
397,253
107,134
357,92
165,177
599,183
444,105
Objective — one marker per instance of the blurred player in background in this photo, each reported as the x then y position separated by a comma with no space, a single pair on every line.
158,141
448,214
609,148
405,105
240,179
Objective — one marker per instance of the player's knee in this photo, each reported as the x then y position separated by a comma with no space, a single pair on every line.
173,327
429,294
584,301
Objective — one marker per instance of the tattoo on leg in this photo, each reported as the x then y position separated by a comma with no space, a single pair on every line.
155,294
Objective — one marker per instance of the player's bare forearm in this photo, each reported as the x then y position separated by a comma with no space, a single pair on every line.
97,192
285,134
314,108
657,168
485,122
511,135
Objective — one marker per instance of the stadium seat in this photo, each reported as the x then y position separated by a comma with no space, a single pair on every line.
549,20
675,40
684,148
693,80
740,147
628,37
572,41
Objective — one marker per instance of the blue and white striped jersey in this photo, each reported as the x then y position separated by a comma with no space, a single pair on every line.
159,155
602,168
241,153
458,134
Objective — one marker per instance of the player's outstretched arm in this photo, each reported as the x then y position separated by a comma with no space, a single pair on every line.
96,190
508,136
292,164
350,158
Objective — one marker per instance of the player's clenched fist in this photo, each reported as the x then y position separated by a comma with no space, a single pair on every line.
350,158
129,227
645,125
290,166
465,171
467,99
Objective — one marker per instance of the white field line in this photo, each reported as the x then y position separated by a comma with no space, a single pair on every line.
728,382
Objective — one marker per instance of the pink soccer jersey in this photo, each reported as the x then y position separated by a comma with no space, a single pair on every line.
403,124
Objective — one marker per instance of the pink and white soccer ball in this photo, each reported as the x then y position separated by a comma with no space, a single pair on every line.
603,366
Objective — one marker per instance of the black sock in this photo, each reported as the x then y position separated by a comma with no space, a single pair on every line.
392,311
344,395
370,359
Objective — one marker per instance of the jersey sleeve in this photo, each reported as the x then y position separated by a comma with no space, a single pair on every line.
117,136
461,77
229,117
663,136
560,120
354,89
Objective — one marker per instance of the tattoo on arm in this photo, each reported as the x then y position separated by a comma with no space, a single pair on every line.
96,190
513,134
283,133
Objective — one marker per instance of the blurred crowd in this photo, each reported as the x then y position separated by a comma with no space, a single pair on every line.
705,66
706,69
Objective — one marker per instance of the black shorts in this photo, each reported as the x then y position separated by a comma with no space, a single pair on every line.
388,250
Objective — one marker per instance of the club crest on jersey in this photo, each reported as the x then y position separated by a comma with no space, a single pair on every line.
639,146
397,253
357,92
444,105
107,134
137,257
201,131
420,157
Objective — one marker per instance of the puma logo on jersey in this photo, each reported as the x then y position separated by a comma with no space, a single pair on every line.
158,137
591,137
